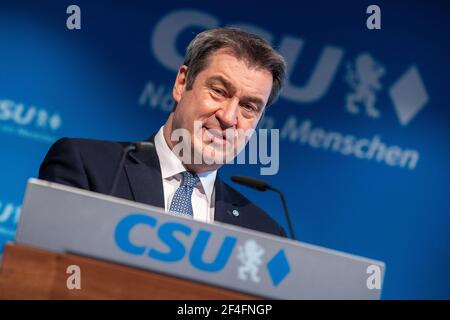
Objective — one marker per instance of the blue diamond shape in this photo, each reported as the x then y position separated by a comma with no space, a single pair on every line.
278,267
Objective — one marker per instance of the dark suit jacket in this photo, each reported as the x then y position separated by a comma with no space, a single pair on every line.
91,165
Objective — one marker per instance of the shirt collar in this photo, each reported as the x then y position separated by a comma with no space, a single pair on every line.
171,165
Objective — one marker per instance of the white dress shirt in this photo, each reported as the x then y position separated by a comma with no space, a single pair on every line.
171,168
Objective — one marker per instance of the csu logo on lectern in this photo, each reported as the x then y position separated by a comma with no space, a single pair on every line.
174,249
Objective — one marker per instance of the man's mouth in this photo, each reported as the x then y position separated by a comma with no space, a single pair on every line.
215,136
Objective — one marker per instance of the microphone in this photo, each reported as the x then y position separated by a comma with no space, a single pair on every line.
261,185
135,146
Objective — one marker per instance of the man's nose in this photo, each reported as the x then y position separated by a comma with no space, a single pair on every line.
228,114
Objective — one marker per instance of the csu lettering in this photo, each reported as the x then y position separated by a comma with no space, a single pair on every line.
169,234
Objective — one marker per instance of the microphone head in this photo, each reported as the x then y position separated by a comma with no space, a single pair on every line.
257,184
261,185
143,145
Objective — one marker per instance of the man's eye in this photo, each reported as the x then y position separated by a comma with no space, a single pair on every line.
219,92
249,107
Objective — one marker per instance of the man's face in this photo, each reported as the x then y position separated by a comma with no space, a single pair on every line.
227,97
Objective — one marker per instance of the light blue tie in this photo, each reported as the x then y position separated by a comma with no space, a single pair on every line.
181,201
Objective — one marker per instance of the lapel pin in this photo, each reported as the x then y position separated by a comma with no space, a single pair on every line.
235,213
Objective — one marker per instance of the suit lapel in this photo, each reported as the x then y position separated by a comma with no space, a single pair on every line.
224,206
144,177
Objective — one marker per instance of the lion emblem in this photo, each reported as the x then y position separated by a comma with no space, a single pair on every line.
363,77
250,255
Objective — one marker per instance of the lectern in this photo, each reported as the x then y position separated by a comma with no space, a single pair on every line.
76,244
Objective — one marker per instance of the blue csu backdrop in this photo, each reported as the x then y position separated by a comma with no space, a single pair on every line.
363,118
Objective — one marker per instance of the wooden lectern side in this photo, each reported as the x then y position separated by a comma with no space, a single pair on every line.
31,273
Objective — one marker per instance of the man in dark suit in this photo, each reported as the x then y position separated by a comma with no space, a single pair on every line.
221,91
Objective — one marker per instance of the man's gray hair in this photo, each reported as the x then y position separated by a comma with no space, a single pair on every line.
243,45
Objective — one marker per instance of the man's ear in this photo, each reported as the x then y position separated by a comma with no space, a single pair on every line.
180,83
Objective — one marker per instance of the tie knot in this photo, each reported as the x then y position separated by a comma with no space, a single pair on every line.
189,179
